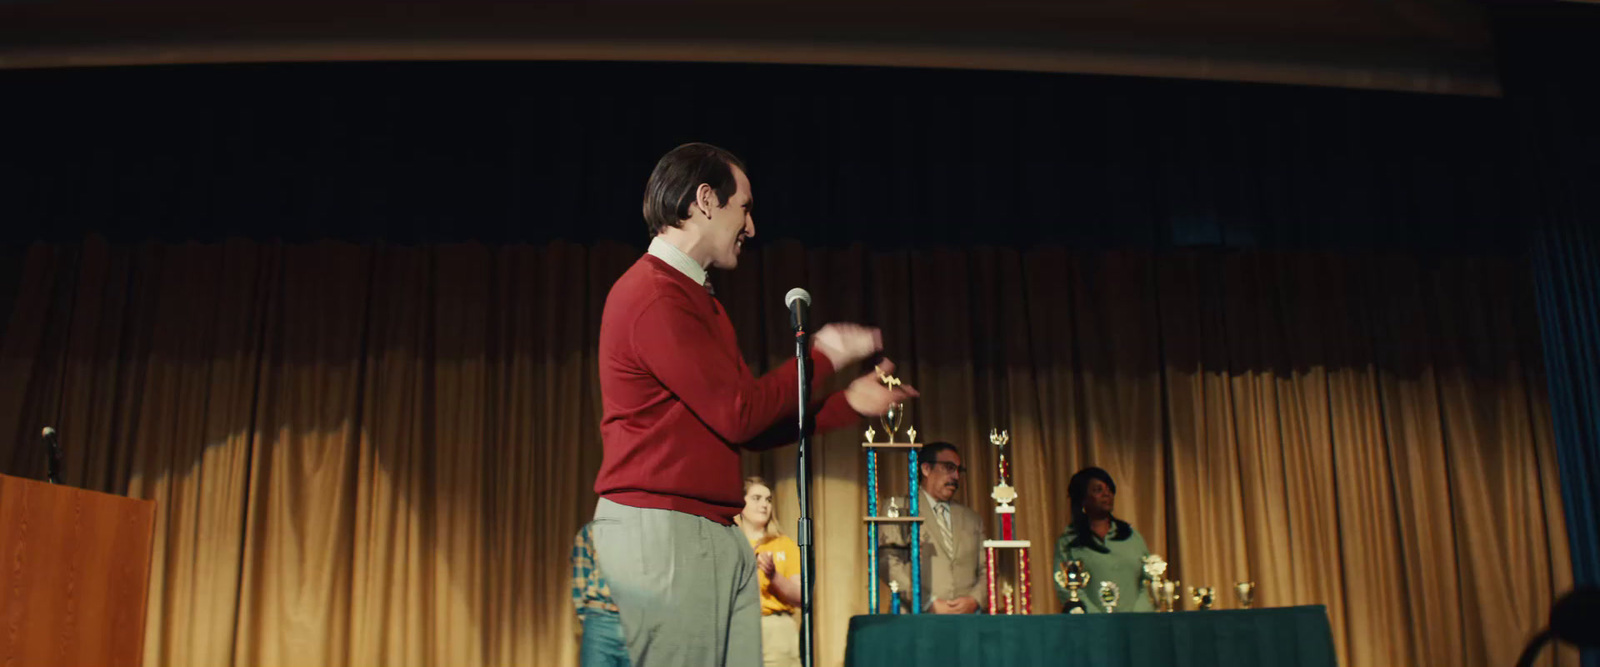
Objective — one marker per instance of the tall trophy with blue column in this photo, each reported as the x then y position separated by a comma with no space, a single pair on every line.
899,525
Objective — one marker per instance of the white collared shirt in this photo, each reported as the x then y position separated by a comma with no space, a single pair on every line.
938,508
677,259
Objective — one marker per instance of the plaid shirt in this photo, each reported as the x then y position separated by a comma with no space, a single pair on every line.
589,589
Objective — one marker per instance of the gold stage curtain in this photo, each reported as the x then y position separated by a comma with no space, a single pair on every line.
378,455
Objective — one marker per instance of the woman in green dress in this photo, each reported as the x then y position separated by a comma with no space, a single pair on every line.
1111,550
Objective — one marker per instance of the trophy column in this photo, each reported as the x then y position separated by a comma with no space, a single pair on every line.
1005,590
912,523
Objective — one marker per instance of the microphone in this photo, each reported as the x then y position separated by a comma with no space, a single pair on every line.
798,300
53,449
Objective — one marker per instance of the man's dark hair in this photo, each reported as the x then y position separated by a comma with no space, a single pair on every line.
930,453
678,175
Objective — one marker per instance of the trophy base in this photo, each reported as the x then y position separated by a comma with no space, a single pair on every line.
1072,607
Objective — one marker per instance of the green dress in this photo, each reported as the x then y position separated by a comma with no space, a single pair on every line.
1122,563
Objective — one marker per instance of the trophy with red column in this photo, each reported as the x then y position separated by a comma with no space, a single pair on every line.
1006,559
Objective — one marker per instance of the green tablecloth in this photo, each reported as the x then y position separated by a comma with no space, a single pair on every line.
1232,638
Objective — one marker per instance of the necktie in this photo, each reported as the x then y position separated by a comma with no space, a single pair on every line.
946,540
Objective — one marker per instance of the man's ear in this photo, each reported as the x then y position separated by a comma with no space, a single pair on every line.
706,198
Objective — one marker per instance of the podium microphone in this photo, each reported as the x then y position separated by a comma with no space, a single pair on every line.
798,300
53,451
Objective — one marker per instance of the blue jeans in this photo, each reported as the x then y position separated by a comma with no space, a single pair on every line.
603,645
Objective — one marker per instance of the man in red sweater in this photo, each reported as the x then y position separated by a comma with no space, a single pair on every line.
678,405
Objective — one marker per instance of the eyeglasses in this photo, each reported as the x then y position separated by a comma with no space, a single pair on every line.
950,467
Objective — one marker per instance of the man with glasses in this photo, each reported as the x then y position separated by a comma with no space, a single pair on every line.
952,540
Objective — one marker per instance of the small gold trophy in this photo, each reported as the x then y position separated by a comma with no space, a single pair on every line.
1073,577
1246,590
892,419
1109,594
1010,597
1202,597
1170,595
1155,570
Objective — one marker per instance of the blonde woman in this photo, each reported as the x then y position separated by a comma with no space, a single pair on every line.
778,564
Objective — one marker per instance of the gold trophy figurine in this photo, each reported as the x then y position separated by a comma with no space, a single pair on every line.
888,380
1246,590
1109,594
1073,577
1202,597
1003,494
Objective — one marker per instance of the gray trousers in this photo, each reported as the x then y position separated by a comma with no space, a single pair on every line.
686,587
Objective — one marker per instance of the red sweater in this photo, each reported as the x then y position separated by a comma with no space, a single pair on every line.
679,402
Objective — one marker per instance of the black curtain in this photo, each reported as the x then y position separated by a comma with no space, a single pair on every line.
428,152
1548,56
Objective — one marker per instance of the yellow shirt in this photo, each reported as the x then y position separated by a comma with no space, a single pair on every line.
785,563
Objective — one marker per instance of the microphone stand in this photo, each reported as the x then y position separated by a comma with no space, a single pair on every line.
802,356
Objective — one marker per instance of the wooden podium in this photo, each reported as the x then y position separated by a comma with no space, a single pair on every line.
74,572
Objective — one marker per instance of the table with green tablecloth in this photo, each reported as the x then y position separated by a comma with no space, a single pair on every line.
1232,638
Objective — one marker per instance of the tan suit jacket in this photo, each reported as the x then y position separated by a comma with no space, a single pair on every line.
945,576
